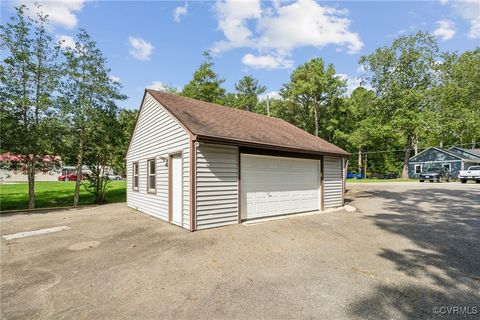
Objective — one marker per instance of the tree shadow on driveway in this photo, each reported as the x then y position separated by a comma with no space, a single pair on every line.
443,270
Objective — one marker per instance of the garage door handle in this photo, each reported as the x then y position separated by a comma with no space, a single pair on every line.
268,194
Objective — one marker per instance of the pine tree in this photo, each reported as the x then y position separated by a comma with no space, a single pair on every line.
206,85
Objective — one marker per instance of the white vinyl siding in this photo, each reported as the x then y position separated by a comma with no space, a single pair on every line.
333,182
216,186
156,135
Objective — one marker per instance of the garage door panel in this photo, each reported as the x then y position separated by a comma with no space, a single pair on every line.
283,205
276,185
273,206
260,206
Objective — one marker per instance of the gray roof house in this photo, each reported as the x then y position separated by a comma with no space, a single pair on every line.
453,159
200,165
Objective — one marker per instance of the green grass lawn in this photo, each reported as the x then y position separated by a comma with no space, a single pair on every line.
379,180
54,194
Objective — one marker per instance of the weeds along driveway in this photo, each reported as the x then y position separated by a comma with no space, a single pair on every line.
117,263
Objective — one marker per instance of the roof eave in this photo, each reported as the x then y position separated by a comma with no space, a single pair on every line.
211,139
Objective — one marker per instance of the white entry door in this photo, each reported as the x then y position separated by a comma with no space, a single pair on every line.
176,188
276,185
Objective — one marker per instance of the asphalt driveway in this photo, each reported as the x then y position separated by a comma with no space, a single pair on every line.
409,249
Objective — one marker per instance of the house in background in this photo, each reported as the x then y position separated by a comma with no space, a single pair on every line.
201,165
13,168
453,159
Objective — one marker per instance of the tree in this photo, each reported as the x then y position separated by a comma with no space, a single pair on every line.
314,91
101,156
206,85
87,91
126,119
403,76
456,100
29,78
248,89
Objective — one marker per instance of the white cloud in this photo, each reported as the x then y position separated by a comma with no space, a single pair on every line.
445,30
115,78
157,85
443,2
470,11
361,68
65,41
352,82
306,23
139,48
268,62
276,30
233,16
474,31
60,13
179,12
270,95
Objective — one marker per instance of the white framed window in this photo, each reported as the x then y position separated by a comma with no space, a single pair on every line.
135,176
418,168
447,166
152,177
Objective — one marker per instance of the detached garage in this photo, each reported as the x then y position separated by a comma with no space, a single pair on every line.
201,165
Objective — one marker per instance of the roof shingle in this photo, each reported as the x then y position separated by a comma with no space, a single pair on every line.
212,121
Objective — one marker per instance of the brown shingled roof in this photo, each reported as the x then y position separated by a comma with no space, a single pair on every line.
213,122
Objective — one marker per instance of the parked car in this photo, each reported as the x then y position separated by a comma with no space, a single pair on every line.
435,174
113,177
473,173
354,175
359,176
68,177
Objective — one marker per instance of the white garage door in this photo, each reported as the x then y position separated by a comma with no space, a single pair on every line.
276,185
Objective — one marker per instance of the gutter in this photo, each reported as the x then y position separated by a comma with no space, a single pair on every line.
226,141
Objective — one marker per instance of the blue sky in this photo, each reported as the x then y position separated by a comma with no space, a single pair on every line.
150,43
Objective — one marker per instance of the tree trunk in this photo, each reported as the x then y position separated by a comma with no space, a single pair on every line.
406,158
473,143
359,161
415,146
365,166
76,196
31,183
316,121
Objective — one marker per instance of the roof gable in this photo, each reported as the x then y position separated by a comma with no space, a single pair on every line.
464,153
212,121
434,154
154,110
